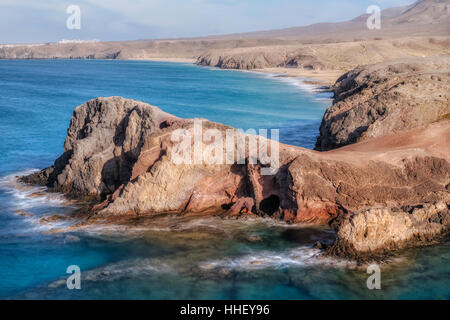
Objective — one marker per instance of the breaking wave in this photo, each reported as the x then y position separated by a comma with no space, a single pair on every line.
32,203
297,257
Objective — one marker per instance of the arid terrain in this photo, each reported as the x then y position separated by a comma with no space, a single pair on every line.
323,51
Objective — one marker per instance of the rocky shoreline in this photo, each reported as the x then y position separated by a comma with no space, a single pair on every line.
380,171
385,193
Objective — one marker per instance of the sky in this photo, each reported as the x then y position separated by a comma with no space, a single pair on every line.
37,21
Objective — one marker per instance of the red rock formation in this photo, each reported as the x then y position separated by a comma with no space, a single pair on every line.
121,152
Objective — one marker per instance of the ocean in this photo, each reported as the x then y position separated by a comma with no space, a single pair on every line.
173,258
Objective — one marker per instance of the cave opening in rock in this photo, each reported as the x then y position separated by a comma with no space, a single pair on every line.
270,204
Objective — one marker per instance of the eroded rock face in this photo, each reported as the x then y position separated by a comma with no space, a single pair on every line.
263,57
103,142
240,60
121,153
382,99
373,232
323,189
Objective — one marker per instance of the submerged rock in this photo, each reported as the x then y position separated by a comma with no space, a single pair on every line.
24,213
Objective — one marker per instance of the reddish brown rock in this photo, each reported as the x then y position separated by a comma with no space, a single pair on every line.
386,98
374,232
121,152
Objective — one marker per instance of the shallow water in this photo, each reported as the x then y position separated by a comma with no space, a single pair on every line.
173,258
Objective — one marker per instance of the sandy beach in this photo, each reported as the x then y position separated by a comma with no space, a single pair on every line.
166,59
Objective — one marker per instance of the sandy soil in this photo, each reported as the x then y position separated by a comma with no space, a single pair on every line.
167,59
318,77
431,141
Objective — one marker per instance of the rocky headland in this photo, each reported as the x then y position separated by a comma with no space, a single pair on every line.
382,194
380,173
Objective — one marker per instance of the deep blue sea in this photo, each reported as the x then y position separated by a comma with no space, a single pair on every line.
208,258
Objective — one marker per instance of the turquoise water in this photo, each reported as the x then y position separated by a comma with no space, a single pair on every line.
177,258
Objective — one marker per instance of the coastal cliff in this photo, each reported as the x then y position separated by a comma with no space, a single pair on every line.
382,99
119,153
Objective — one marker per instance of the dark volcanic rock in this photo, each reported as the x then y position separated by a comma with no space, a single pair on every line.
102,144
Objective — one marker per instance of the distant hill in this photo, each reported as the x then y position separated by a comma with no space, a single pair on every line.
425,17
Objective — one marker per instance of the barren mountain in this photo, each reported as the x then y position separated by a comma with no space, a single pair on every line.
426,18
